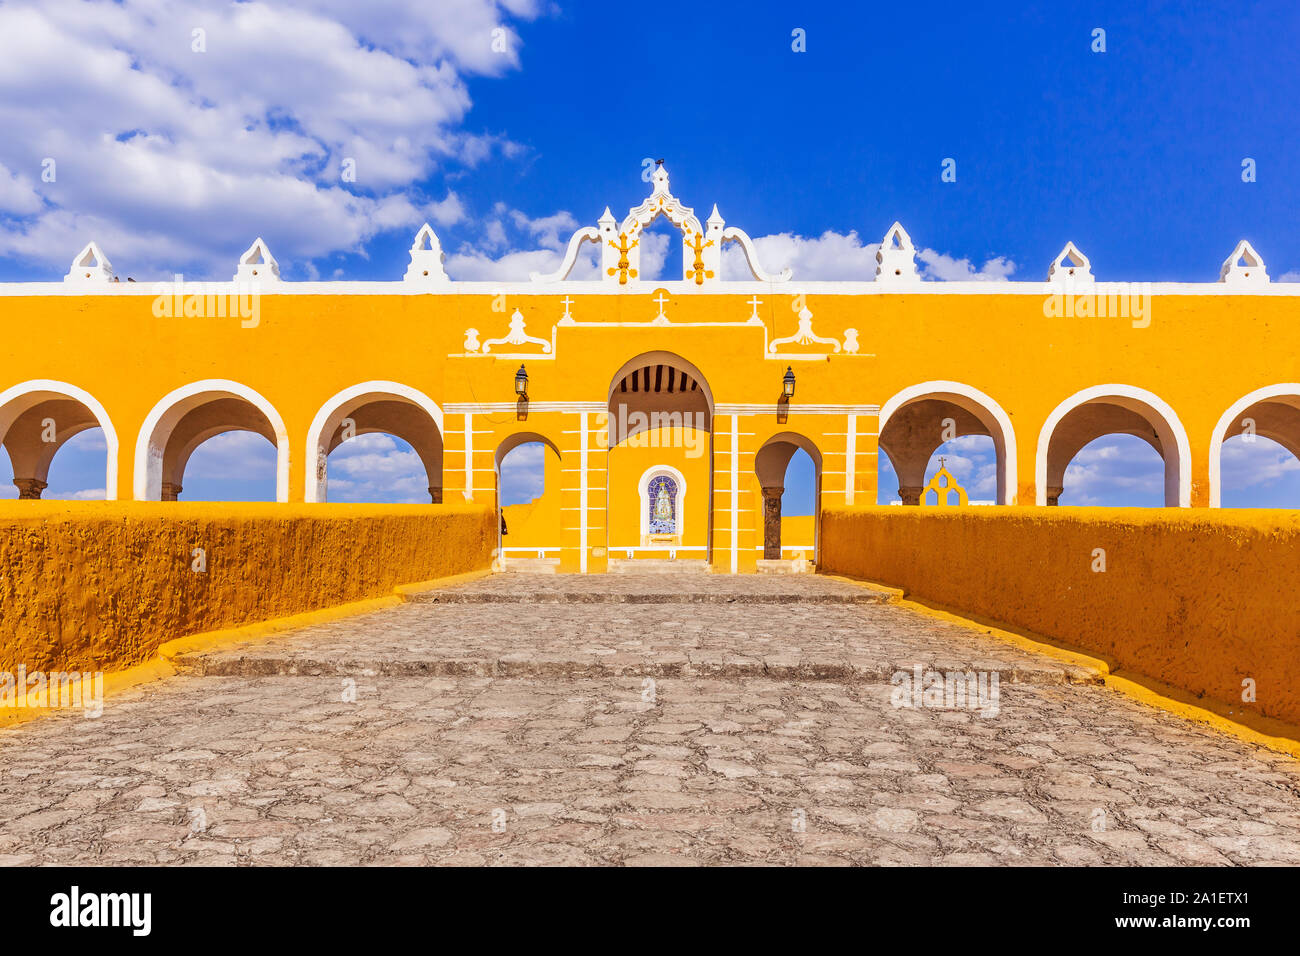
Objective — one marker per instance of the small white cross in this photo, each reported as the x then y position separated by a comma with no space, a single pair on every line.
662,300
755,302
566,301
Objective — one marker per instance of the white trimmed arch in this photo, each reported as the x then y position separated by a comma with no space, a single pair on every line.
984,408
151,445
1157,413
1287,390
20,398
338,407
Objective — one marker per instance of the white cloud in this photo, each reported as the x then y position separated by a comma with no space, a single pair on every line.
377,467
232,456
1292,276
944,268
174,159
831,255
1261,462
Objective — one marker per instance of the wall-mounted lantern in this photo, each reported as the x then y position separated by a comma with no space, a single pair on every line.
783,403
521,390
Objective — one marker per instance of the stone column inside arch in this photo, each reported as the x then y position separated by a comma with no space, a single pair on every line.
171,491
29,489
911,494
1054,495
435,494
772,523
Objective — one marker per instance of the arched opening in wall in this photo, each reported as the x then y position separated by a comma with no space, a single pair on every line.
528,497
378,442
214,436
789,470
924,423
1114,471
1116,446
661,252
59,443
659,469
971,460
1255,451
236,465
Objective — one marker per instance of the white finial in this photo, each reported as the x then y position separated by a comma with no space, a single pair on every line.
660,179
427,259
896,257
257,264
1244,267
90,266
1070,267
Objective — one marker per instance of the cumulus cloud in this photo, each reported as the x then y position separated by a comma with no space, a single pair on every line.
179,131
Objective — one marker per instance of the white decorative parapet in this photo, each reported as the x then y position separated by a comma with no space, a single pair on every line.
1244,268
90,267
257,264
896,258
1070,268
427,259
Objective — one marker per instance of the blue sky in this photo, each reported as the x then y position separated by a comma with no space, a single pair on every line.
174,159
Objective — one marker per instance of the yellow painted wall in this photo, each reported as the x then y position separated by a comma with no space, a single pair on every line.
100,585
687,450
536,523
1200,600
306,348
797,531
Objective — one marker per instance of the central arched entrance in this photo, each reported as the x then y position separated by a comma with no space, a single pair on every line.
659,470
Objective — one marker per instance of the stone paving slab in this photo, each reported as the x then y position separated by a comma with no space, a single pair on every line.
578,743
847,643
472,771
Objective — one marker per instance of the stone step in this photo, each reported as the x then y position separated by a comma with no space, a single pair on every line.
531,565
785,566
658,566
717,666
683,596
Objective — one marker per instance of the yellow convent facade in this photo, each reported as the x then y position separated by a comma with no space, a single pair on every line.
663,405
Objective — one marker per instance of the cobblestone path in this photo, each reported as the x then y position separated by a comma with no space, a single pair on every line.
697,719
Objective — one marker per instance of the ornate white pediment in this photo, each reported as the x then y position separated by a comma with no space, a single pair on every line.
620,243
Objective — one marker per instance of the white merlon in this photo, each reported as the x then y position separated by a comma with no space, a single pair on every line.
90,267
1071,267
257,264
1244,268
427,258
896,258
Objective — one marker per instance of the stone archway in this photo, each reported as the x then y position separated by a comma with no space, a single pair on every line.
37,418
1108,410
1272,411
919,419
370,408
771,463
189,416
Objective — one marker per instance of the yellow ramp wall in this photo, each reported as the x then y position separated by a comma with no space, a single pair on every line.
100,585
1198,600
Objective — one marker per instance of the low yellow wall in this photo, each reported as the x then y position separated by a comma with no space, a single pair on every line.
1200,600
100,585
